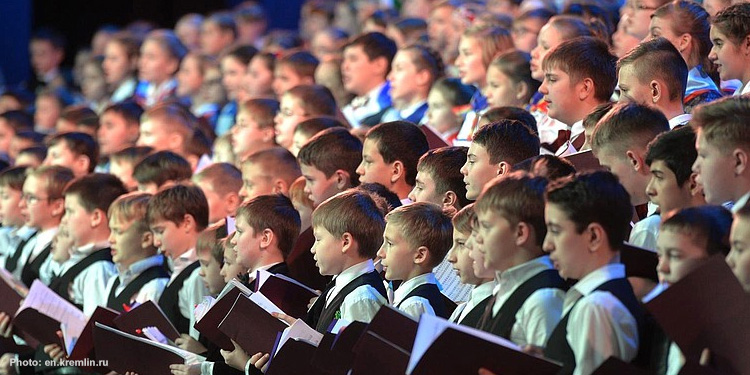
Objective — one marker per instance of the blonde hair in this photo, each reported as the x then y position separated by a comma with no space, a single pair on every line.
132,208
492,40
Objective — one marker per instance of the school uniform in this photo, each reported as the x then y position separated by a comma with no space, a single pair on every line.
35,252
527,303
355,294
279,268
645,231
84,277
449,282
14,241
152,94
736,206
570,139
602,318
679,120
226,119
368,110
420,295
124,91
416,114
470,312
302,264
184,291
743,89
478,105
142,281
700,89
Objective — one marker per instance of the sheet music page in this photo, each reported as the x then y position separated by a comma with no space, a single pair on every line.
47,302
265,303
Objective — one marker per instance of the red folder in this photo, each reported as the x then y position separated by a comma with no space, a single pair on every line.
584,161
147,314
335,353
84,347
379,356
209,323
293,358
253,328
639,262
289,296
393,326
12,293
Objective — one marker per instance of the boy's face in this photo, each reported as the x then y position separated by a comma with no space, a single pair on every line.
663,190
258,79
44,56
470,64
124,171
247,137
59,154
477,257
115,133
153,133
477,170
567,248
327,251
631,88
425,190
728,57
255,182
359,73
317,186
210,272
373,168
496,240
126,241
231,267
213,39
290,114
217,204
678,255
620,165
61,246
10,215
47,112
397,254
39,209
460,259
247,244
404,78
79,221
169,237
232,74
155,64
739,256
284,78
439,27
561,95
6,135
715,170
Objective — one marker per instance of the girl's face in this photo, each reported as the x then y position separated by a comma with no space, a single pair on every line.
258,79
290,114
117,65
93,83
189,77
156,65
405,85
470,65
440,112
501,90
233,72
548,38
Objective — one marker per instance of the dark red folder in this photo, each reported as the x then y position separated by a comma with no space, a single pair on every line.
252,327
84,347
379,356
209,323
287,295
639,262
584,161
293,358
147,314
616,366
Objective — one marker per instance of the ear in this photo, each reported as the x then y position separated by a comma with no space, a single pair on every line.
636,160
98,217
423,78
746,46
57,207
188,223
266,238
343,180
523,233
597,237
522,90
740,161
347,242
450,199
398,170
421,255
176,143
269,135
381,65
504,168
657,91
83,162
147,239
684,42
587,89
696,189
233,201
280,187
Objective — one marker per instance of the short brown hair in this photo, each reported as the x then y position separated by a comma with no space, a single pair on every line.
315,125
224,178
356,213
13,177
724,122
210,241
517,197
658,59
161,167
55,179
132,208
96,191
707,226
586,57
262,111
79,144
274,212
175,118
463,219
424,224
331,150
303,63
277,162
315,100
628,125
507,140
400,140
444,166
174,203
132,155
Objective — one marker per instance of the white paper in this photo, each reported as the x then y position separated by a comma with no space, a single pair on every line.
43,299
200,311
340,324
190,358
153,334
431,327
234,283
261,276
231,224
302,332
265,303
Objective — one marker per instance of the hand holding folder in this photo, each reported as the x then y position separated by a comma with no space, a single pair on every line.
208,324
41,315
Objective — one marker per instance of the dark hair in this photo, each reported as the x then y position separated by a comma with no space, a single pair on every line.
50,35
331,150
18,120
315,100
224,21
511,113
402,141
586,57
55,178
554,167
96,191
129,110
277,161
210,240
354,212
243,53
274,212
174,203
375,45
315,125
224,178
454,92
734,22
543,14
302,62
595,197
708,226
689,17
444,166
35,137
658,58
262,110
507,140
161,167
676,149
377,190
425,58
133,154
628,125
39,152
13,177
723,122
516,65
596,115
79,144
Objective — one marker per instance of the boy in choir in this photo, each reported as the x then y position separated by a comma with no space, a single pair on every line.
123,162
723,144
468,313
439,181
587,219
416,239
221,183
673,184
294,69
77,151
169,127
687,239
160,170
495,149
14,231
619,141
269,171
579,75
528,298
142,273
176,217
655,74
254,129
390,154
364,71
739,257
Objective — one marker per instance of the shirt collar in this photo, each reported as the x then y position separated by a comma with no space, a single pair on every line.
45,237
138,267
409,285
601,275
679,120
576,129
182,261
740,202
351,273
90,248
482,291
519,274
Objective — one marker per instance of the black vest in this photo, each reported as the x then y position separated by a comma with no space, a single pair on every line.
30,271
60,284
320,316
117,302
502,324
474,317
170,299
432,294
558,348
12,262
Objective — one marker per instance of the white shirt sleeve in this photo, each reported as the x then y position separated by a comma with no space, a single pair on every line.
538,317
416,306
89,288
362,304
191,294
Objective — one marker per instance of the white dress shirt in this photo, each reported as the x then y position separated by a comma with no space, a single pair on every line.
193,289
89,288
33,248
740,203
645,232
600,325
540,313
151,291
478,294
371,107
363,302
414,306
